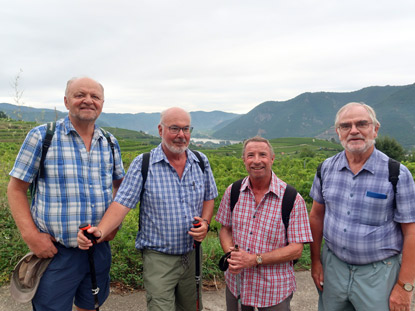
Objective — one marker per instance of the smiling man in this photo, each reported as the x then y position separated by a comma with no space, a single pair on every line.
80,174
176,192
367,261
261,267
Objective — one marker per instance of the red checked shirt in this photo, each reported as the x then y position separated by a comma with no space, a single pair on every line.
259,229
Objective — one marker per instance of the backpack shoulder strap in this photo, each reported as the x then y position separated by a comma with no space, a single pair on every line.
393,166
111,143
50,131
394,171
287,204
319,173
144,171
199,157
235,190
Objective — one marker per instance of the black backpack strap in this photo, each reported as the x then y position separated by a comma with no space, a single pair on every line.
287,204
50,131
235,190
144,171
112,145
394,170
199,157
319,173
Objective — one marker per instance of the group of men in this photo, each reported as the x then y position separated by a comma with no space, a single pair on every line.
366,262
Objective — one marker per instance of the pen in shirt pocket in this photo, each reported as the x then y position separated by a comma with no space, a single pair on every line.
376,195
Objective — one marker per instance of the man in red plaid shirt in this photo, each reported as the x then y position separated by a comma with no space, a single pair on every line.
261,271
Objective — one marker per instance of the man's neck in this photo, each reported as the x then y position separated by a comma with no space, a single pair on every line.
357,160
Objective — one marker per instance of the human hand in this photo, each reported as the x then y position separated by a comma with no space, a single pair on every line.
199,233
84,242
400,299
41,244
240,259
317,274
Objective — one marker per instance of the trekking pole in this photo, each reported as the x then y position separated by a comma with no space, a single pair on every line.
238,284
197,224
95,289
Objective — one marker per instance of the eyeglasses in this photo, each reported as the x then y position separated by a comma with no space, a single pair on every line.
360,125
176,130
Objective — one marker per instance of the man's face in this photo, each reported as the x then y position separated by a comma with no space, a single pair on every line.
171,131
258,160
356,131
84,100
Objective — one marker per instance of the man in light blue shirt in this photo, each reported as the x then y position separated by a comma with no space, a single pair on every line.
176,192
366,235
81,175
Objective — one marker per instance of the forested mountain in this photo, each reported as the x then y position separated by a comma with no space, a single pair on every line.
307,115
312,115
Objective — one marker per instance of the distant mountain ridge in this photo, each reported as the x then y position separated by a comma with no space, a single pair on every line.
312,115
307,115
203,122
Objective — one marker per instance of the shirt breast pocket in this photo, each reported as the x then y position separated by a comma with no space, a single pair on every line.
376,209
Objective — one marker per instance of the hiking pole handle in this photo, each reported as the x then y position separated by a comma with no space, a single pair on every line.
196,224
84,227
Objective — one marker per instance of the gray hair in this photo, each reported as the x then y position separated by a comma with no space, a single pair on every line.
371,112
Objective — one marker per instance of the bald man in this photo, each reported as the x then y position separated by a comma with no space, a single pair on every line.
176,192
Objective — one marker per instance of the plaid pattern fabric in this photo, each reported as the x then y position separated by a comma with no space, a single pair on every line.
259,229
360,223
169,203
77,187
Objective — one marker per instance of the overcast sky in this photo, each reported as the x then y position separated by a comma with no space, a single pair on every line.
203,55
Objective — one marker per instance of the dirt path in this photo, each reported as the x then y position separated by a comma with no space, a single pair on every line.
305,298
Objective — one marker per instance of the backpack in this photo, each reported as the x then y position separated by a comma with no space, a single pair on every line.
394,172
50,131
287,203
146,162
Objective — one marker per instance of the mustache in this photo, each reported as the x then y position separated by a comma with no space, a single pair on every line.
180,140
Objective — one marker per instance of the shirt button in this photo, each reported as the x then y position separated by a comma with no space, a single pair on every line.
351,195
348,213
345,230
248,250
254,216
250,232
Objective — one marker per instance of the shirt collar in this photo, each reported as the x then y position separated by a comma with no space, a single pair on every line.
274,186
68,127
369,165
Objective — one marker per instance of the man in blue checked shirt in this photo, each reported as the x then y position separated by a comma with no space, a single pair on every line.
367,261
176,192
81,175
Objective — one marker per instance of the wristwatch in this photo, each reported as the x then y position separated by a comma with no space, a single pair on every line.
406,286
258,259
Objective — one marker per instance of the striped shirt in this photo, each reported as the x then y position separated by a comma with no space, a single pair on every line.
360,223
260,229
77,187
169,203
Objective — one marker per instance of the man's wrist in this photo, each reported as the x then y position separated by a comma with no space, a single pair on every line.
208,224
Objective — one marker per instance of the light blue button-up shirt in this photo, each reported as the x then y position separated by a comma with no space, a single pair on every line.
169,203
360,223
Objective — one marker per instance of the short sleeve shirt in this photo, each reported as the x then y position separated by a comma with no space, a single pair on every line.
260,229
361,224
169,203
77,186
